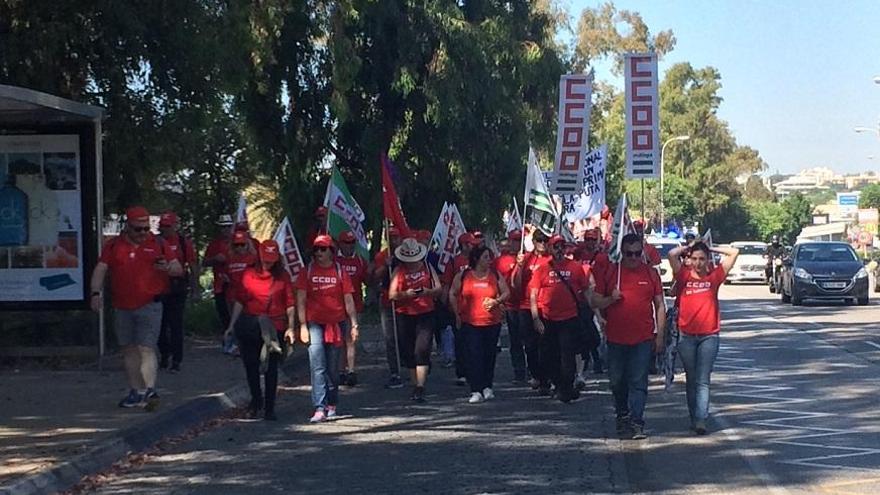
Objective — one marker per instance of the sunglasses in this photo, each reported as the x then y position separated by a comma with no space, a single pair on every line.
632,254
239,244
140,229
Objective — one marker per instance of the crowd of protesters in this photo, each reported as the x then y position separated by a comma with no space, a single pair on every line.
565,305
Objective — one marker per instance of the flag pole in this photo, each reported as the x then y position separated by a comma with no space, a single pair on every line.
393,305
522,240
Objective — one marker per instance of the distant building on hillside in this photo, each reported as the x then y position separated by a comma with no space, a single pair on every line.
805,182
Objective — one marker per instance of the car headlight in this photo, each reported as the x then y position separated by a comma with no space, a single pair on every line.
862,273
802,274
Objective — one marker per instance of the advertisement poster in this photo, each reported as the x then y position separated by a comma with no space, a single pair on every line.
642,116
40,218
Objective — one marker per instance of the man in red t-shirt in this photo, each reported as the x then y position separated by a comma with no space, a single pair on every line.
215,259
139,265
174,300
357,269
383,264
505,265
595,261
554,291
631,296
526,265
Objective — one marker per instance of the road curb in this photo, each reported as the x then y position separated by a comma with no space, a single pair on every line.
68,473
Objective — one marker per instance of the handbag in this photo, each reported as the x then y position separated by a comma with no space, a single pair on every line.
588,336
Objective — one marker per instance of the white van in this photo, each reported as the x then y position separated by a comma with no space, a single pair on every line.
663,245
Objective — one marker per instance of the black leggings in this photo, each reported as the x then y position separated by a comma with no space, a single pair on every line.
250,343
415,333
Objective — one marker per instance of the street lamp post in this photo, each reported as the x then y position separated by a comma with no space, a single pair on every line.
662,158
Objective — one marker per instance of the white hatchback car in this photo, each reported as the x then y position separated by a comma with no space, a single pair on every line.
663,246
750,264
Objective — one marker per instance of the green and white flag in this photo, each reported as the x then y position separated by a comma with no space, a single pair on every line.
344,213
539,209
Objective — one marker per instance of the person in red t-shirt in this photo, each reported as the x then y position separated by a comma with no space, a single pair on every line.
477,298
631,296
264,298
595,261
357,269
324,298
215,259
526,265
383,264
555,289
139,265
652,256
466,242
699,320
179,289
414,285
505,265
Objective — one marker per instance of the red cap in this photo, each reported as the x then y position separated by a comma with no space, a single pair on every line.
555,239
347,237
168,219
321,211
137,213
467,238
638,224
477,234
393,232
514,235
240,237
323,241
269,251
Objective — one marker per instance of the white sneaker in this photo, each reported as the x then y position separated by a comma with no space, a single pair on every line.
476,398
488,394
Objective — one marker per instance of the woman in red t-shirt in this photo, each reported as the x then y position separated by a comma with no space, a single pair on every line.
263,298
699,320
414,285
476,297
324,298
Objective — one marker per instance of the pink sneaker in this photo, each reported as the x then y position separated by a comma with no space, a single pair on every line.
331,413
318,417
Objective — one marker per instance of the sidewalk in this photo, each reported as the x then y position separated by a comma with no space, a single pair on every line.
49,417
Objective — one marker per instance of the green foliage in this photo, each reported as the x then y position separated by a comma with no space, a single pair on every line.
754,190
785,218
870,196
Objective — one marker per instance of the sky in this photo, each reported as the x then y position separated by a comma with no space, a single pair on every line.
797,75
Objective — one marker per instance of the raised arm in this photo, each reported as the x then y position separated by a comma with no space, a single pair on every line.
730,255
674,258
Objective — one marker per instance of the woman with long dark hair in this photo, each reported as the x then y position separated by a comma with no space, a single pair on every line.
477,298
264,298
699,320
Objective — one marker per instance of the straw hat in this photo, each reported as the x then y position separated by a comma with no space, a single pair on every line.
410,250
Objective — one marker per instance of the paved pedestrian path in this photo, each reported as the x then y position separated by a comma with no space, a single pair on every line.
48,416
385,443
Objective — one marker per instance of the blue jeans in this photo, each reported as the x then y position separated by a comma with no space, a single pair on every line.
517,348
481,353
324,366
698,353
628,367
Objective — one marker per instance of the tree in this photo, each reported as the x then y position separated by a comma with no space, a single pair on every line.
754,190
870,196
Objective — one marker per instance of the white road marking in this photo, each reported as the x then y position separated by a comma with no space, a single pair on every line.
872,344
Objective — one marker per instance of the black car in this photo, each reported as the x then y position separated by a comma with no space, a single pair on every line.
824,271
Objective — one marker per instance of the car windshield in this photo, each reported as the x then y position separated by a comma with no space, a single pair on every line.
664,248
826,253
751,249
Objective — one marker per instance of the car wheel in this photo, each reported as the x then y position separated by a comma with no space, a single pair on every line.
785,297
863,301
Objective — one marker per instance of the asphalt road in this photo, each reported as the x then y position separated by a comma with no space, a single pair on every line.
794,405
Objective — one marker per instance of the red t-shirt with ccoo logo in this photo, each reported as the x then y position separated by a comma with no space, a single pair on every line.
555,301
356,268
419,279
325,292
698,311
470,301
260,294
